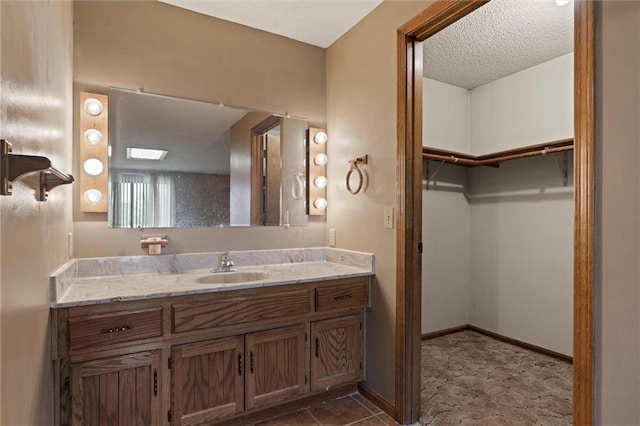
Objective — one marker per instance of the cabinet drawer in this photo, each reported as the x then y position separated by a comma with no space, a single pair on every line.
346,296
239,310
114,327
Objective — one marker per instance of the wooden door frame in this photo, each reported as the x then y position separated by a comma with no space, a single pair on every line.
409,231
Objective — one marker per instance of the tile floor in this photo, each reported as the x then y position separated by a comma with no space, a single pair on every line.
352,409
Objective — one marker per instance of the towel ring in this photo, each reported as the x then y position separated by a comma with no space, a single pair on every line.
297,188
354,168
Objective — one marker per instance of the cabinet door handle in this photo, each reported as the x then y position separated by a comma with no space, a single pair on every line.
251,361
239,365
155,382
317,347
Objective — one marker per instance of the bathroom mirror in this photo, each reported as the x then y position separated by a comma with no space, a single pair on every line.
177,162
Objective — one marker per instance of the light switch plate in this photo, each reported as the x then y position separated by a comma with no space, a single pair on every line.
332,237
388,217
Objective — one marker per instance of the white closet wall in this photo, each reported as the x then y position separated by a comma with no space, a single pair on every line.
526,108
520,240
446,213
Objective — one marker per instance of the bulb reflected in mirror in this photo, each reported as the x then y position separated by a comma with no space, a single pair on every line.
93,136
320,182
93,106
320,203
93,167
93,196
320,159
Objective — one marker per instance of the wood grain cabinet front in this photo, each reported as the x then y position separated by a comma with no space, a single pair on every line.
337,352
112,328
206,359
207,380
122,390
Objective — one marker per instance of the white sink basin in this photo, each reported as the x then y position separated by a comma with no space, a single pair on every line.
232,277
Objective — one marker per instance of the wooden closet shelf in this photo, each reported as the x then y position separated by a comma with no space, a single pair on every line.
494,159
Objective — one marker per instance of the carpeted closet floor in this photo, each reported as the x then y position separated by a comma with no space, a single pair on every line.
471,379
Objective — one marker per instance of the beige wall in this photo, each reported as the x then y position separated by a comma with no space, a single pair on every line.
617,349
172,51
361,118
36,116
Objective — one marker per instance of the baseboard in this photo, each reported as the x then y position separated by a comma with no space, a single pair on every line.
444,332
377,399
521,344
510,340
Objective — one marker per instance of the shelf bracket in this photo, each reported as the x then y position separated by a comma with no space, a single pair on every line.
563,165
14,167
433,176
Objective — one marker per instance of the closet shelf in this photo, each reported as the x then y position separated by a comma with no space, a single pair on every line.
494,159
14,167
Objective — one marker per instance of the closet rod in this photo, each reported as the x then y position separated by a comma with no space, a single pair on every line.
493,160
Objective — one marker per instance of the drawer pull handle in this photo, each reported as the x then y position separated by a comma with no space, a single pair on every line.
239,365
317,348
343,297
115,329
251,361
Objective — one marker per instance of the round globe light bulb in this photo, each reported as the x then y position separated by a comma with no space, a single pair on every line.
93,196
320,138
320,182
562,2
93,166
93,136
320,203
93,106
320,159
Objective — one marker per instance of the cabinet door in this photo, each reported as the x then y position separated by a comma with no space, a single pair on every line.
122,390
337,352
276,365
207,380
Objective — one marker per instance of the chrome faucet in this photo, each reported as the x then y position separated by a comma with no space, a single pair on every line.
226,264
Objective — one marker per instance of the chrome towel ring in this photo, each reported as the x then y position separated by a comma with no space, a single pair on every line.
364,160
297,189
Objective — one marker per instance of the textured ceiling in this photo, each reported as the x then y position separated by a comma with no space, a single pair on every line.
317,22
500,38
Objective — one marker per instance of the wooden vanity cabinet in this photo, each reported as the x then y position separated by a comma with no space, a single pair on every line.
337,351
123,390
198,360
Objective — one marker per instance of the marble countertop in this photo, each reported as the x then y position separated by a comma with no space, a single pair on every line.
104,280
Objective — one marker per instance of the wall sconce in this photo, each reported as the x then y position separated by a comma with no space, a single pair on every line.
317,171
94,141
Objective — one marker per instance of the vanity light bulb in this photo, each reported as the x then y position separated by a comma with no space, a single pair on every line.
93,136
562,2
93,106
320,203
320,138
93,167
320,182
93,196
320,159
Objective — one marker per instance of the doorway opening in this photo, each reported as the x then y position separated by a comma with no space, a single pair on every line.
438,16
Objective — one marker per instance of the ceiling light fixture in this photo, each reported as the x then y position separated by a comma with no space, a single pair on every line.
146,154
